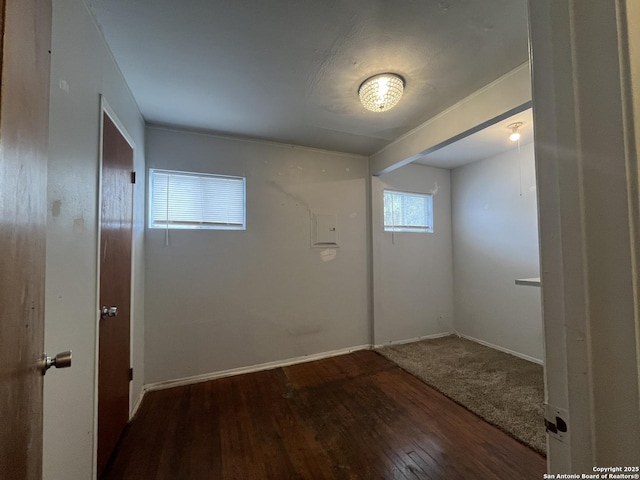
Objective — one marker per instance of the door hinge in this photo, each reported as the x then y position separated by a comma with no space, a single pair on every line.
131,374
133,177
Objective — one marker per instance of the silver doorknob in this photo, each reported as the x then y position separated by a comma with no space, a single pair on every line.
61,360
108,312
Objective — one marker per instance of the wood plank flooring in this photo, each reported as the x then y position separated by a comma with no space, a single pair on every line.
355,416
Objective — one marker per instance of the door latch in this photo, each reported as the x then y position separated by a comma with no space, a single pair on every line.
556,422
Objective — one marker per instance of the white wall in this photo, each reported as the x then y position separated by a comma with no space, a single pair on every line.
217,300
412,271
495,241
82,69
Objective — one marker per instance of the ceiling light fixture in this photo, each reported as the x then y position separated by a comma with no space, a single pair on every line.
381,92
515,131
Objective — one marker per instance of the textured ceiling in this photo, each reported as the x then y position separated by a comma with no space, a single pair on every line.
289,70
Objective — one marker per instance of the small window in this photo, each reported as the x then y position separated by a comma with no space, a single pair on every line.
408,212
196,200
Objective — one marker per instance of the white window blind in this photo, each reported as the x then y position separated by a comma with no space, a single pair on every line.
408,212
196,200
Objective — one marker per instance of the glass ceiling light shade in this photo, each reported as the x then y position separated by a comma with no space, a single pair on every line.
515,131
381,92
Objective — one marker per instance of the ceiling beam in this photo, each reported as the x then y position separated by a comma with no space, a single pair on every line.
506,96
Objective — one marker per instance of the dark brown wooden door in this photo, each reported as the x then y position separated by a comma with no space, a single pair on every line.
25,33
115,289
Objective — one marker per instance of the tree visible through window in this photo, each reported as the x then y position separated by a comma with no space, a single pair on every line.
408,212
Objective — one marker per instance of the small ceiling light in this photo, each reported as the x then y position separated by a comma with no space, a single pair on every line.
381,92
515,131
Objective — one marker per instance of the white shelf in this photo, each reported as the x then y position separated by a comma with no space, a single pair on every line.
531,282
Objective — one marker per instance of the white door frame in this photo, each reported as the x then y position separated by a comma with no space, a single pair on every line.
589,210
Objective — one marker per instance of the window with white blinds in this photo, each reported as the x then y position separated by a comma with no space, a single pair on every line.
408,212
196,200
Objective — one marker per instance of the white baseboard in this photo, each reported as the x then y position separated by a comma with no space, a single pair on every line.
415,339
250,369
136,404
502,349
306,358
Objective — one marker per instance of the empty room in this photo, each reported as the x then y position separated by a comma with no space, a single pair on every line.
319,240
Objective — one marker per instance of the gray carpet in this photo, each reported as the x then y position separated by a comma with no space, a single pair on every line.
506,391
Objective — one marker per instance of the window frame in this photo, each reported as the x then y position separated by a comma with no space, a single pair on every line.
194,225
429,214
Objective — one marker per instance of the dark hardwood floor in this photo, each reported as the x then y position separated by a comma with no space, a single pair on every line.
355,416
